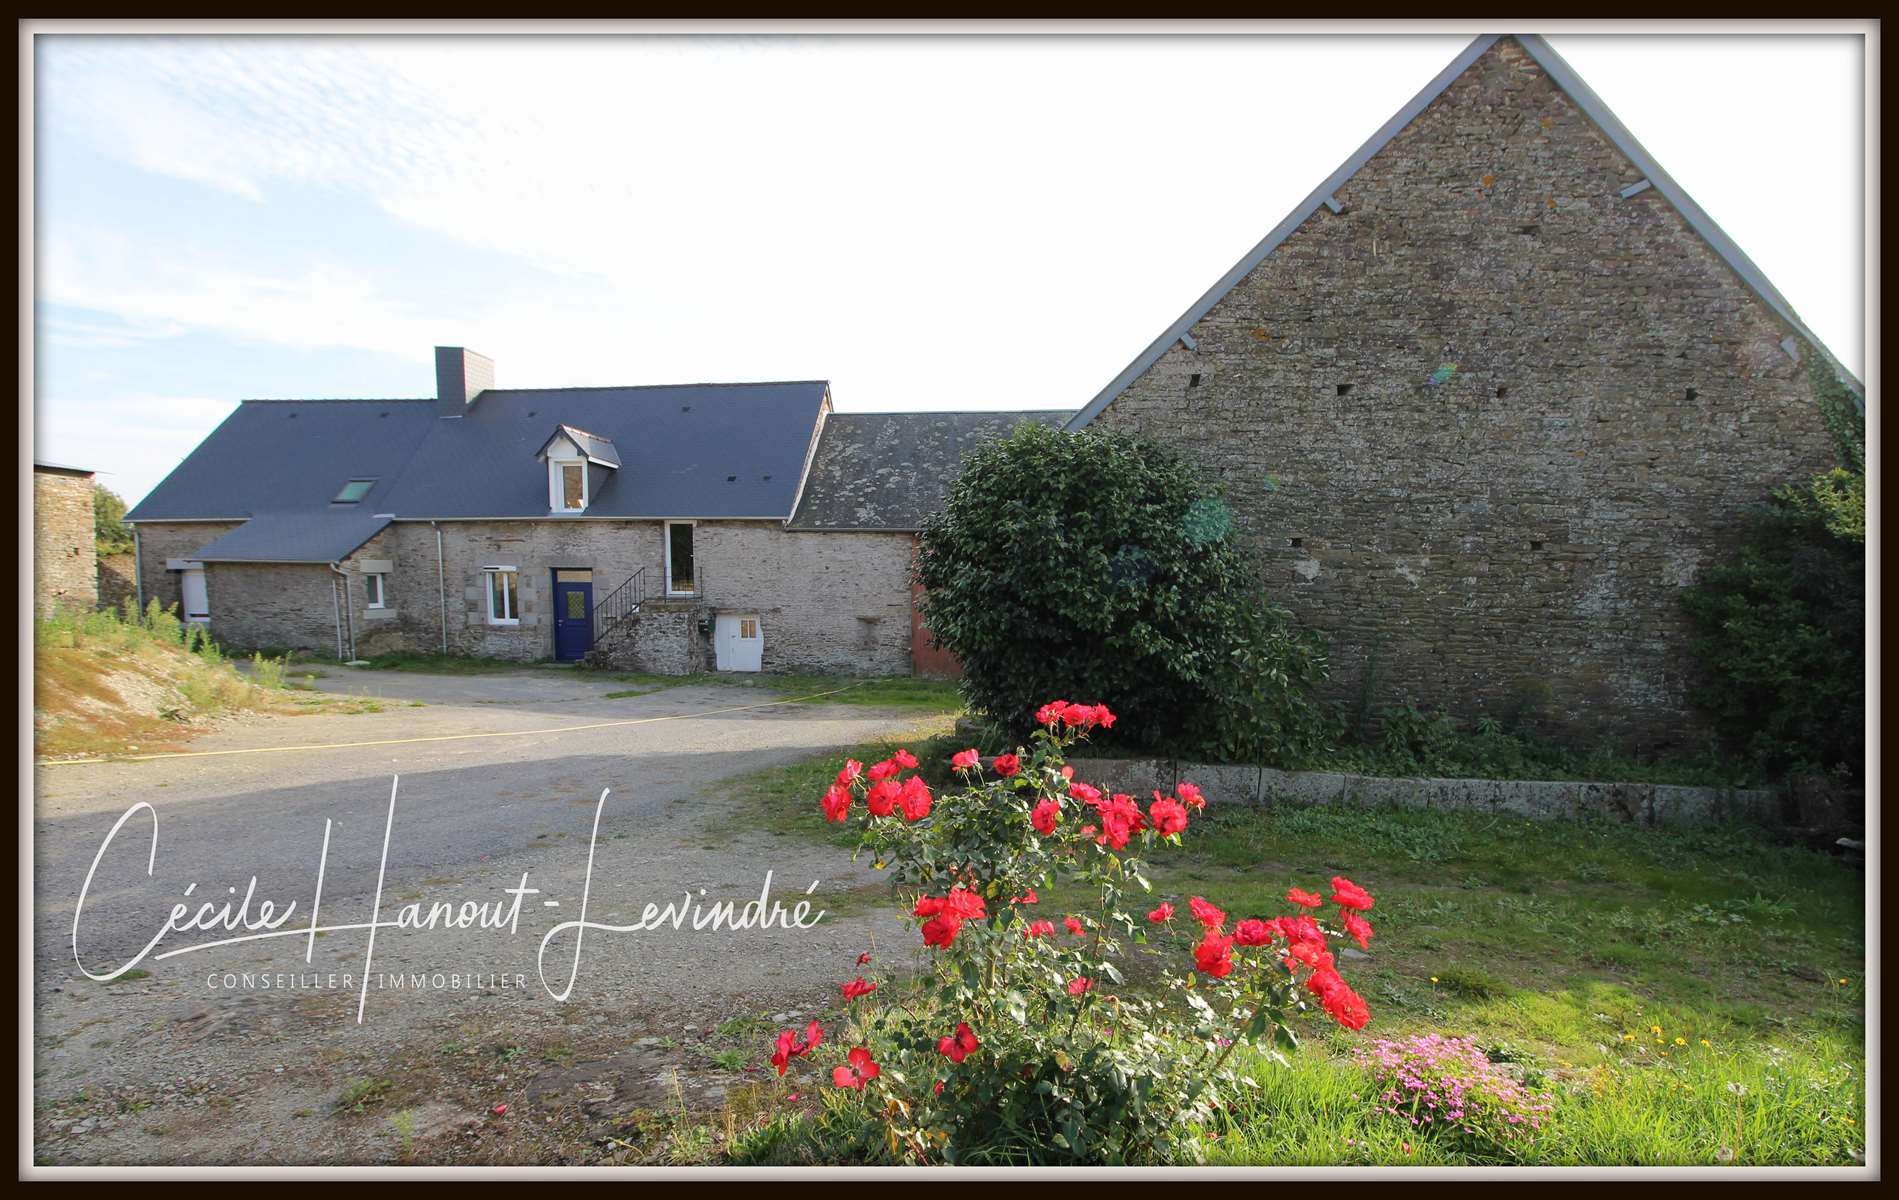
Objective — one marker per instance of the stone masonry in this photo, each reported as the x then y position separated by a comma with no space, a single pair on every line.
1486,423
65,571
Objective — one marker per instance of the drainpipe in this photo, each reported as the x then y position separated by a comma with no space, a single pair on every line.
441,584
343,618
336,607
138,571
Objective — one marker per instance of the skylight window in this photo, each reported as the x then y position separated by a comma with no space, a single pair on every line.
354,491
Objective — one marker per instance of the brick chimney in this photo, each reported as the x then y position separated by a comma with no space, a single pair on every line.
460,376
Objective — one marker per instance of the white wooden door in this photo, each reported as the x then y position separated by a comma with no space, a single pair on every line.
738,642
191,588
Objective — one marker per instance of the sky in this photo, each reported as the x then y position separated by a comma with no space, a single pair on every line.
961,222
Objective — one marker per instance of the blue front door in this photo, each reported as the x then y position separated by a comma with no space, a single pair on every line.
573,620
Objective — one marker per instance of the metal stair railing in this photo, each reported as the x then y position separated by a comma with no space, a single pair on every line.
619,604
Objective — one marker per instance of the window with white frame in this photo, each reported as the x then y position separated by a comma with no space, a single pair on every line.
567,485
375,586
504,595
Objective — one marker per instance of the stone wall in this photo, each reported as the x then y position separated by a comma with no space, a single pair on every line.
1649,804
272,606
65,571
160,543
118,580
834,602
1485,424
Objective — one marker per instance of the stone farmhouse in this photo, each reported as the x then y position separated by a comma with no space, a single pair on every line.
1488,399
65,546
668,529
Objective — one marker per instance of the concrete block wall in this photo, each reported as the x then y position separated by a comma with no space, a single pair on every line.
1485,425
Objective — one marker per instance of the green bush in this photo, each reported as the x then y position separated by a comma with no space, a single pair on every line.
1779,630
110,532
1100,565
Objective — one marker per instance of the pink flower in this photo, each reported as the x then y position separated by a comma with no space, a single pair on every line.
851,770
1080,984
1163,914
1075,926
966,760
1191,797
1087,793
1038,929
904,759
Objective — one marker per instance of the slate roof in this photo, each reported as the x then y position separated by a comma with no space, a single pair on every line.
319,537
693,450
890,471
1566,78
291,456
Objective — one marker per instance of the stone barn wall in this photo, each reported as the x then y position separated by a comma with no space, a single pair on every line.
1486,423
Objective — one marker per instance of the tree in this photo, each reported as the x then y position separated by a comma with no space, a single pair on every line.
108,521
1101,568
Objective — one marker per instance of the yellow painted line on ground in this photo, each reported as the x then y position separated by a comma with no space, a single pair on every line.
446,737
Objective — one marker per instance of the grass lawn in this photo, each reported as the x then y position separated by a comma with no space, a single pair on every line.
1685,997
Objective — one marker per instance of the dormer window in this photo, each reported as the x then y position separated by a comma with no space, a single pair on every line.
569,481
354,491
578,465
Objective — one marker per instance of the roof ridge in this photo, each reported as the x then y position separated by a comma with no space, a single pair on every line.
944,412
337,400
641,387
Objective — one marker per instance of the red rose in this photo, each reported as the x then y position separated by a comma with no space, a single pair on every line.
836,802
1163,914
941,929
965,903
959,1045
882,797
1252,933
1214,955
1359,928
857,987
851,770
813,1036
915,798
1047,814
1208,916
904,759
966,760
1028,897
1051,712
1190,796
1087,793
882,770
857,1071
863,958
1340,1002
1304,898
1080,984
1039,929
1347,894
1007,765
786,1047
1168,816
1075,926
1077,715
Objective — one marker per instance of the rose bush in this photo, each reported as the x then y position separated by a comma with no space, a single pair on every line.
1019,1045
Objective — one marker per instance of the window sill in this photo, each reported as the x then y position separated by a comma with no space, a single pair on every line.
378,613
503,624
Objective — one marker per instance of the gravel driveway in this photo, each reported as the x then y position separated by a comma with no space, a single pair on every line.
179,1066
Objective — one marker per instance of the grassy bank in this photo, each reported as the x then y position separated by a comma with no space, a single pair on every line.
114,682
